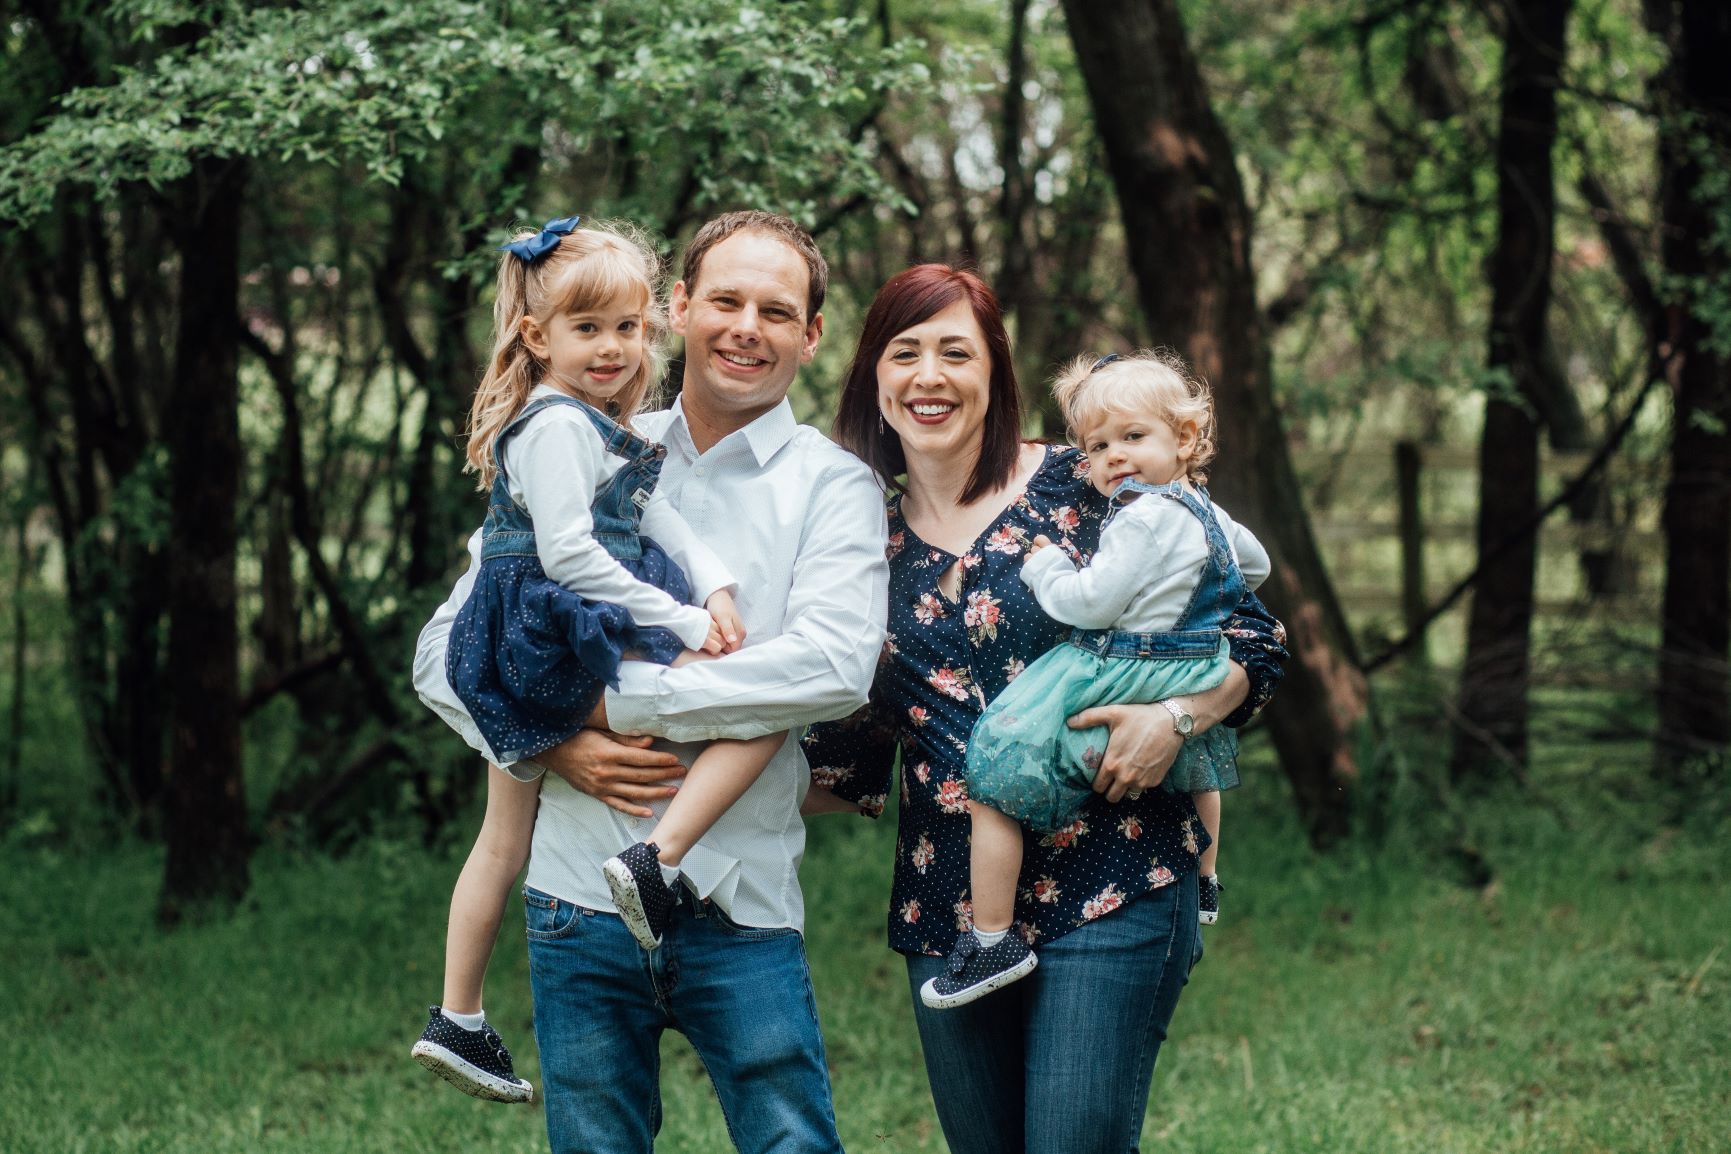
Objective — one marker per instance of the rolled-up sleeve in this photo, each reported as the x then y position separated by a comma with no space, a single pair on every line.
854,757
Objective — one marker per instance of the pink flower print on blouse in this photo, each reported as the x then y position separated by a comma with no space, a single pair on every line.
1066,837
971,560
964,910
911,911
872,804
898,540
1046,891
1191,845
1130,827
928,609
1102,903
1013,668
923,772
1159,875
830,775
923,854
952,683
1004,540
1065,519
1028,933
982,616
918,715
953,796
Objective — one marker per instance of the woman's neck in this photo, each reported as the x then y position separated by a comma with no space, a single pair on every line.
938,482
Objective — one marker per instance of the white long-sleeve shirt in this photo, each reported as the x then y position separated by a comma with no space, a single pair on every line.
555,467
801,523
1141,577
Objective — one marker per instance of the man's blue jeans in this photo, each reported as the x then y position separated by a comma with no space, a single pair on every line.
1061,1061
742,996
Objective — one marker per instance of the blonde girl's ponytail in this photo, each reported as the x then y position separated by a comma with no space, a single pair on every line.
512,371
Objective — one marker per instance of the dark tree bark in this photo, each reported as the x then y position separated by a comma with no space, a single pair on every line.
1187,228
1497,667
1695,148
205,824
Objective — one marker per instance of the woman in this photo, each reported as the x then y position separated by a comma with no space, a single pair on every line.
1061,1061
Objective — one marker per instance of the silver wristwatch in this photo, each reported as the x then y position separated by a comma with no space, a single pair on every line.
1182,723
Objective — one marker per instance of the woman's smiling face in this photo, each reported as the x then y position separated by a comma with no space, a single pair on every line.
934,384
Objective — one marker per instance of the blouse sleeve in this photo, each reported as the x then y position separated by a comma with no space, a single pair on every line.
854,758
1258,643
556,462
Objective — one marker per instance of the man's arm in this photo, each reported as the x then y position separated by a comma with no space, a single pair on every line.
819,667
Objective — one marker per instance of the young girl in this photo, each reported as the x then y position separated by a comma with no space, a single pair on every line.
1148,611
568,587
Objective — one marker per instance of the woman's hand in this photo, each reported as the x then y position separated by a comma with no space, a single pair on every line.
1140,749
621,771
726,622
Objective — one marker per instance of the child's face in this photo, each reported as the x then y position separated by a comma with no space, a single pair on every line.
1136,446
593,354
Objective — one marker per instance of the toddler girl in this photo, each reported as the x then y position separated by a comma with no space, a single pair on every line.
1148,611
578,572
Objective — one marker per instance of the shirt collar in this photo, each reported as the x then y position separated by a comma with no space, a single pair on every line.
765,436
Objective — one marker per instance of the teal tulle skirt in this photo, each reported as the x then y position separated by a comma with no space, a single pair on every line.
1023,760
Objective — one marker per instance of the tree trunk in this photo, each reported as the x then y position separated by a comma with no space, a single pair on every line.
205,813
1694,679
1187,230
1495,672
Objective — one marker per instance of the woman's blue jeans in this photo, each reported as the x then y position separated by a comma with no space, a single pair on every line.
1061,1061
742,996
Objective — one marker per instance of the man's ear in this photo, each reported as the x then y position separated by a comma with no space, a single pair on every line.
813,334
678,305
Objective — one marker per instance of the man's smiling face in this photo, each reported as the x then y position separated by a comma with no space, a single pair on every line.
745,326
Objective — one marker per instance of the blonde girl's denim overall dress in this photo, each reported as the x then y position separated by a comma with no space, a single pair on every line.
1023,760
529,658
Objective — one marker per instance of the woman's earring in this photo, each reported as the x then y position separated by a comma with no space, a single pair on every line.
882,428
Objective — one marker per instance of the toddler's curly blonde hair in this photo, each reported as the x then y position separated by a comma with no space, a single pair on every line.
1155,383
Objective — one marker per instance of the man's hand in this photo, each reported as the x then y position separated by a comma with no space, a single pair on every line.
1140,749
621,771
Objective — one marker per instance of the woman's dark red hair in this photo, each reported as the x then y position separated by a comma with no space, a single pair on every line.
907,299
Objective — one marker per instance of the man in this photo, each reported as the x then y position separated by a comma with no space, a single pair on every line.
801,525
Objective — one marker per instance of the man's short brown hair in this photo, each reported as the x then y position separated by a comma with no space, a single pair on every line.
769,224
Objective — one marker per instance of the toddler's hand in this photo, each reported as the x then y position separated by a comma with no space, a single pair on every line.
1040,542
714,643
726,623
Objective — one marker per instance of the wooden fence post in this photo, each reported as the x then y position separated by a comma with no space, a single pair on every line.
1411,528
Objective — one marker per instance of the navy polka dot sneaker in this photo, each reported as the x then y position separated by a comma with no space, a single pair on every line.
975,971
644,900
474,1061
1208,900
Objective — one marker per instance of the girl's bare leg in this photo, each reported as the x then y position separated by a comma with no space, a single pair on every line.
478,902
719,776
1208,809
994,861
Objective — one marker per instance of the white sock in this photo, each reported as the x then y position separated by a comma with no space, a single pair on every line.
468,1021
1210,877
990,939
670,875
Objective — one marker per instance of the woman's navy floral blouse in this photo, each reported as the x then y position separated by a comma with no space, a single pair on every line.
942,662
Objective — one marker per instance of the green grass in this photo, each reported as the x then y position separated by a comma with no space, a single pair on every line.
1366,1002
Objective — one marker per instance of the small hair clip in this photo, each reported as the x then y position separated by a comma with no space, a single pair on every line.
1104,361
532,248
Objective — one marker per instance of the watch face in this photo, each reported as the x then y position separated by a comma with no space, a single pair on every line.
1185,723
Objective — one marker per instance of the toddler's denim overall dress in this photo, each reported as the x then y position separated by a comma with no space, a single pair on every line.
1023,760
528,657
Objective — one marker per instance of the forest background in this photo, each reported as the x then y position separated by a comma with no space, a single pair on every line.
1459,270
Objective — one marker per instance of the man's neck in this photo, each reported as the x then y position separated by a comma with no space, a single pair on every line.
708,426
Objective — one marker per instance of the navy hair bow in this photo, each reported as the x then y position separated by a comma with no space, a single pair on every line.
1104,361
532,248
